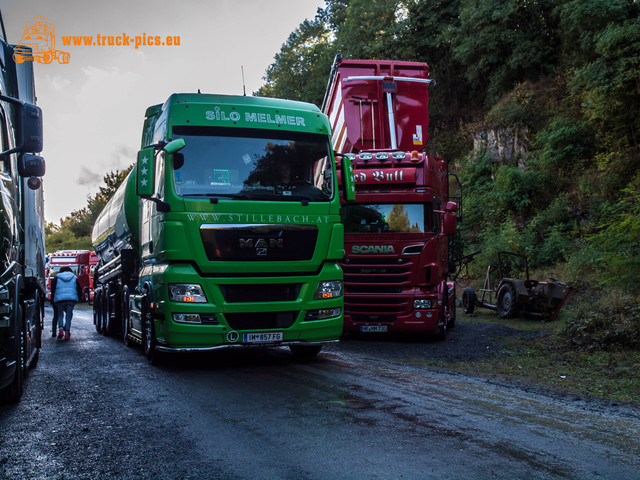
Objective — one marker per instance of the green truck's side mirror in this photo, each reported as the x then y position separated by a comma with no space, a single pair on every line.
145,172
348,182
174,145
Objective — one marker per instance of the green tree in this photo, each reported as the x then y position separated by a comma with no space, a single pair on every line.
301,68
502,43
428,21
74,231
609,85
375,30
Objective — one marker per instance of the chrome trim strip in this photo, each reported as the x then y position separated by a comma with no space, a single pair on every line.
163,348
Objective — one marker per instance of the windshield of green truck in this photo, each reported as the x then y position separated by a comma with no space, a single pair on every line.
383,218
250,164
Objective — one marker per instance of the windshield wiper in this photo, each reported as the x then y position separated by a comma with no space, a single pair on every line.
213,197
236,196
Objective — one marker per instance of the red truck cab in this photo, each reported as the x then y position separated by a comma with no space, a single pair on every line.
397,230
82,264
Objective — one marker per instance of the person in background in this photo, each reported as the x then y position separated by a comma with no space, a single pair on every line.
55,315
65,293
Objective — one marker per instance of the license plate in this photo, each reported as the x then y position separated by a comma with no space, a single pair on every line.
373,328
262,337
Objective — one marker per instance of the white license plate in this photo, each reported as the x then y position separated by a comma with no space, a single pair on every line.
262,337
373,328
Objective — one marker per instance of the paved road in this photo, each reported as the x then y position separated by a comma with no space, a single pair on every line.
96,409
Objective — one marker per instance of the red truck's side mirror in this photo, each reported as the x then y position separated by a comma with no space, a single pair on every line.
449,222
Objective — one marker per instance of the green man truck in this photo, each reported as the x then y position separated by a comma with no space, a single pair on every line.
22,253
227,232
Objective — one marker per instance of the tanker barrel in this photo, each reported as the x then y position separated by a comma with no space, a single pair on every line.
117,228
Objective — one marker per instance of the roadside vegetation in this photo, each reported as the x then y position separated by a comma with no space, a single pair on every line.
561,80
577,354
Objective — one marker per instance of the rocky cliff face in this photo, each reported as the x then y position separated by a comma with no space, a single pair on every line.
503,145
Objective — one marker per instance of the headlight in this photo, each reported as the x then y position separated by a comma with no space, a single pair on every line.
423,303
330,289
186,318
186,293
323,313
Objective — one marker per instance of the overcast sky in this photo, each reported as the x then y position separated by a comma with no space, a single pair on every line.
93,107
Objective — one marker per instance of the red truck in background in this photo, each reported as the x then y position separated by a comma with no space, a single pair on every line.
398,229
82,264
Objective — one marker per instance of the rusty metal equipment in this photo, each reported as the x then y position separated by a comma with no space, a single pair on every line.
512,296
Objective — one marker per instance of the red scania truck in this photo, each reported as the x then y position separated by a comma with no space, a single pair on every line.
82,264
398,229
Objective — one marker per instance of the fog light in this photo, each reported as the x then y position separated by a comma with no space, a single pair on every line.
186,318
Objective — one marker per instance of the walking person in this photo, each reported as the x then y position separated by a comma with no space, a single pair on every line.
55,316
65,293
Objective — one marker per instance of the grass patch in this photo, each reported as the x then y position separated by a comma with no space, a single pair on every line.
545,362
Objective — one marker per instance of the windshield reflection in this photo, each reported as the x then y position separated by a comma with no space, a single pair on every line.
246,164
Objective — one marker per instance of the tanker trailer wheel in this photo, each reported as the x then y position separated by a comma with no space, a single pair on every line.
104,327
97,308
507,306
149,332
126,325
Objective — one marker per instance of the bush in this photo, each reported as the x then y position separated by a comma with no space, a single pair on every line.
608,323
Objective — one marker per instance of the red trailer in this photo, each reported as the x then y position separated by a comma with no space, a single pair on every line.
82,264
397,230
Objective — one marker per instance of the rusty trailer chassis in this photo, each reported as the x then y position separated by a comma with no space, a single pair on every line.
512,296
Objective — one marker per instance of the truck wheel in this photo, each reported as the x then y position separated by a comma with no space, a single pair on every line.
507,306
442,334
305,351
468,300
149,333
13,392
38,340
86,296
452,313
